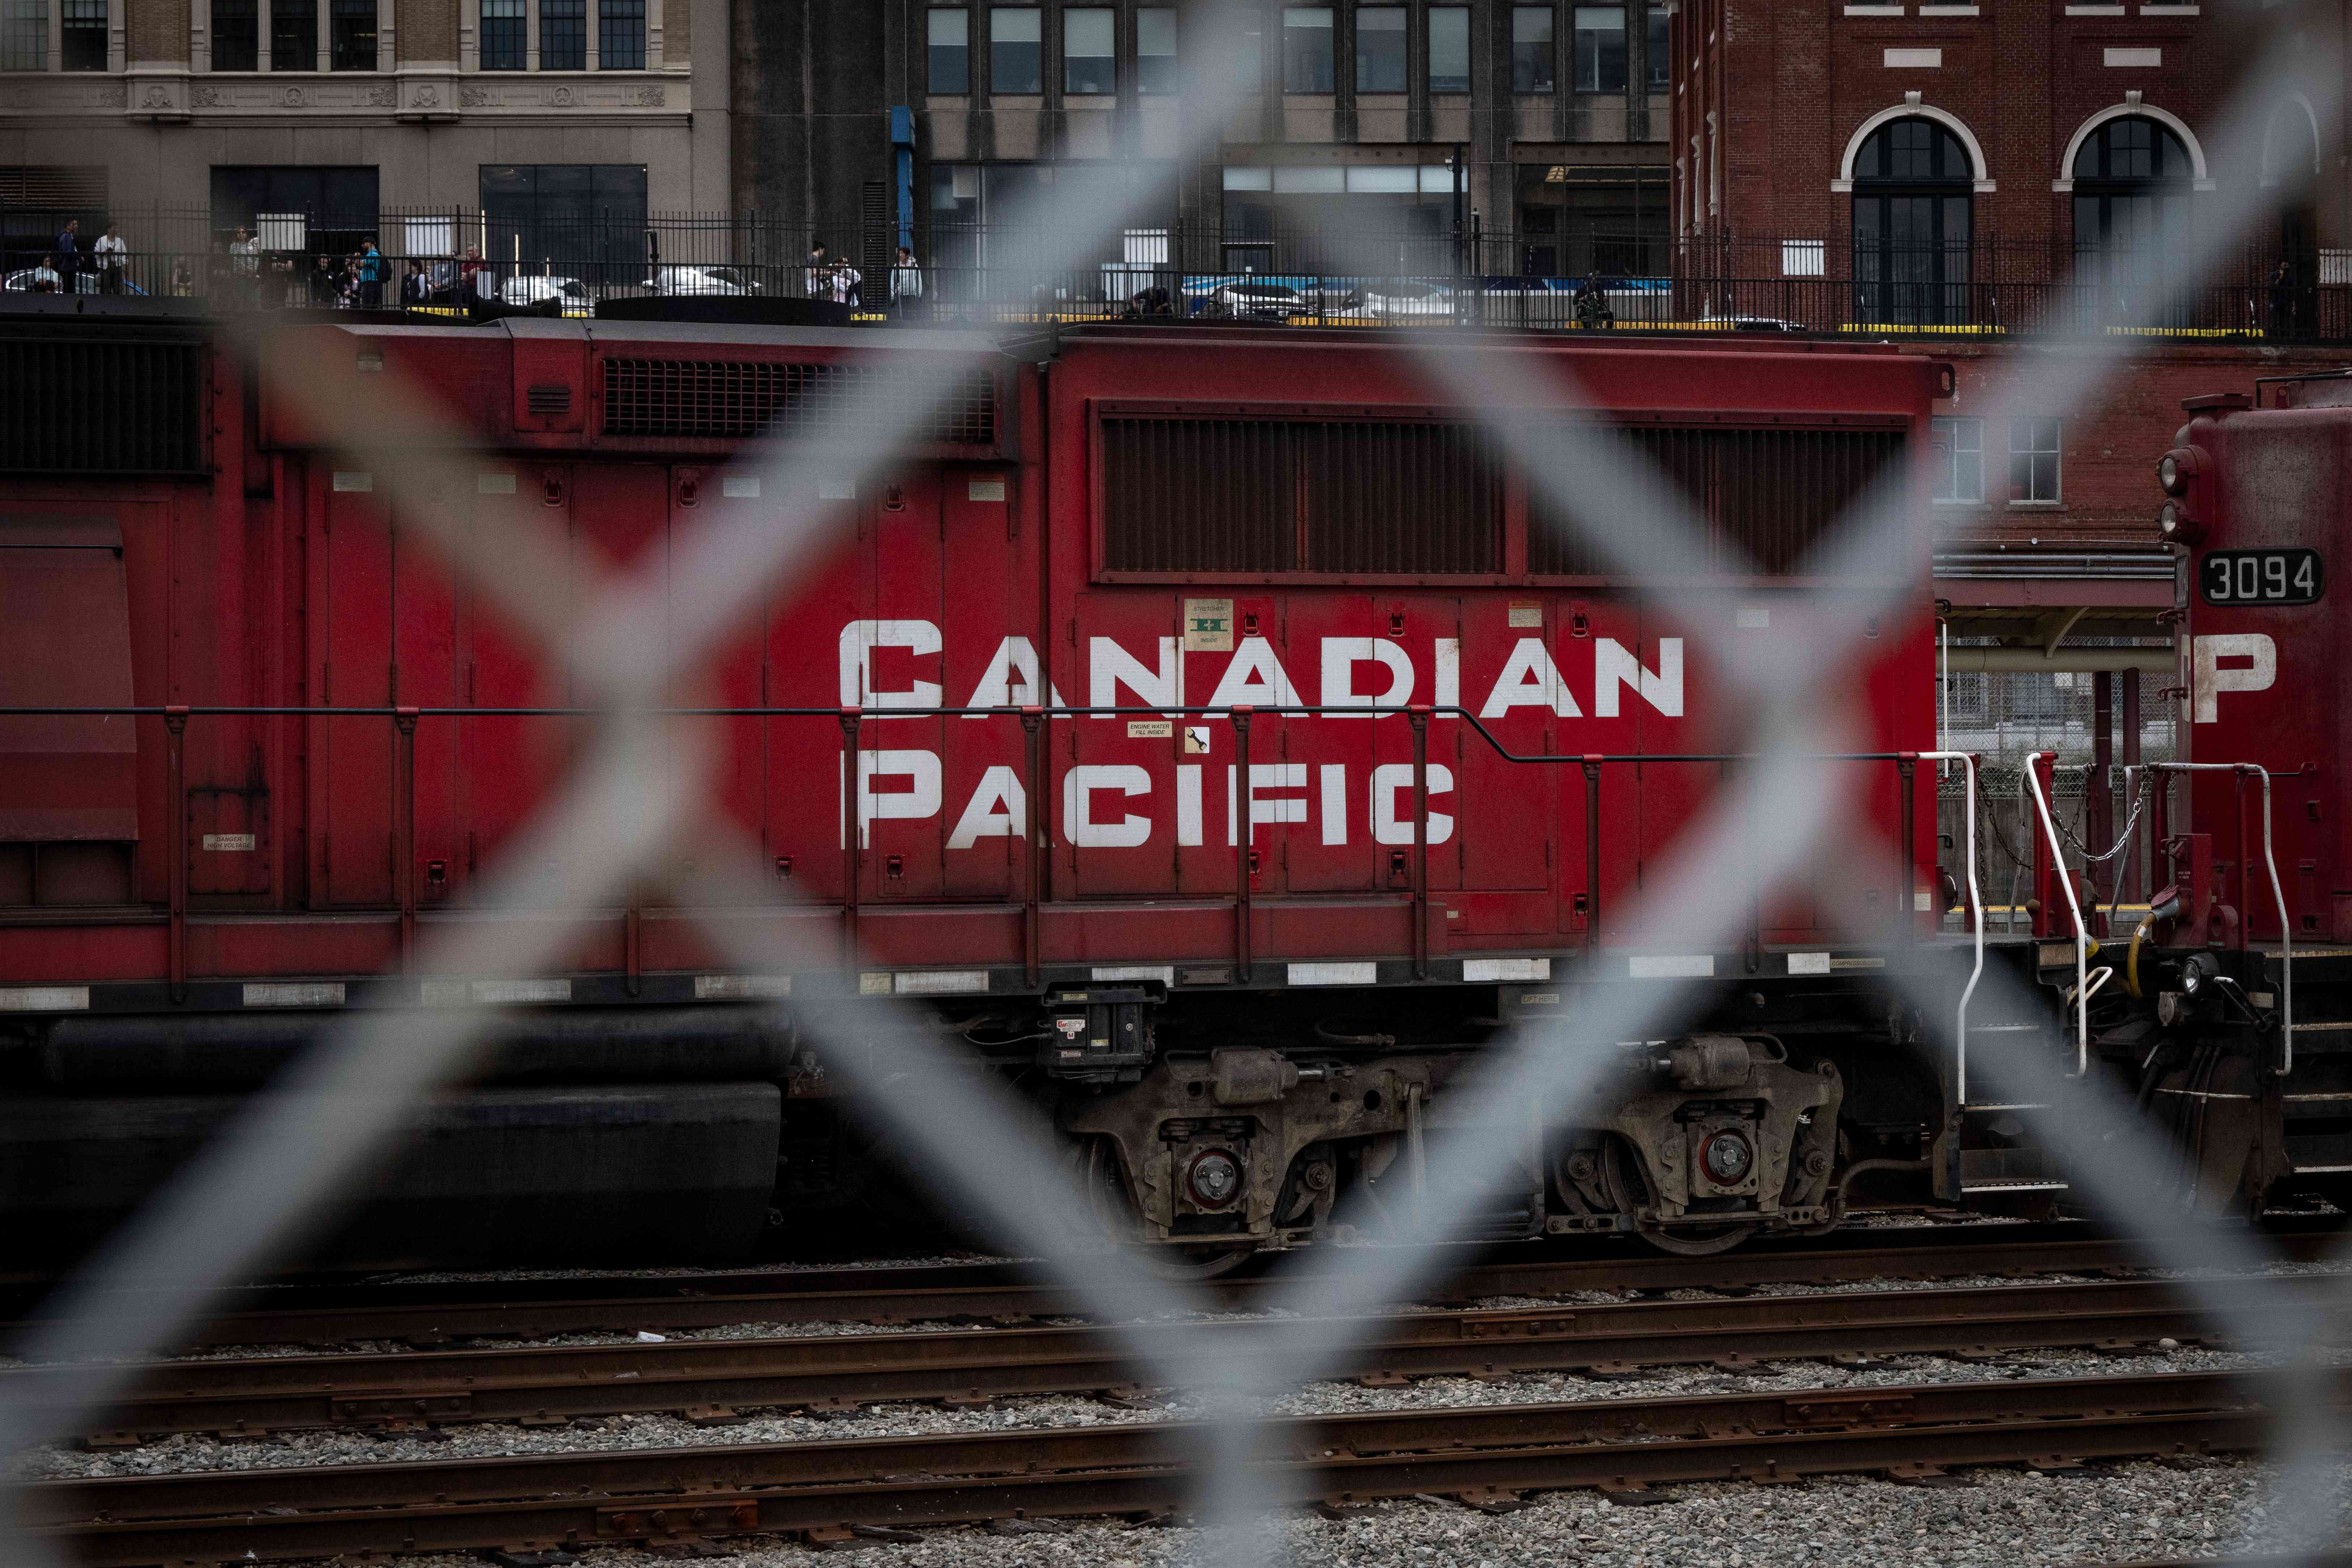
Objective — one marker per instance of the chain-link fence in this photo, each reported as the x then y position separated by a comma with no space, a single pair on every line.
631,814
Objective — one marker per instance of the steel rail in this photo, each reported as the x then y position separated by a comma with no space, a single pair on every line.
712,1380
526,1309
585,1498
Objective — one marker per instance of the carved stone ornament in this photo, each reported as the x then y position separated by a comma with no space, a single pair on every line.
561,98
381,97
292,97
653,97
205,96
475,97
428,97
156,98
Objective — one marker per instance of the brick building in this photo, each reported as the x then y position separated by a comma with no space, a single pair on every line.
184,118
864,117
2013,180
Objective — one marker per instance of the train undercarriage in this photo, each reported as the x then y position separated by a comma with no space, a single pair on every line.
1211,1125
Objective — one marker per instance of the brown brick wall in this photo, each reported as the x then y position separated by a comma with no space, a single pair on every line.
156,31
427,29
678,32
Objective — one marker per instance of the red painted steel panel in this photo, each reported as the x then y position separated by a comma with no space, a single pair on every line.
352,757
64,641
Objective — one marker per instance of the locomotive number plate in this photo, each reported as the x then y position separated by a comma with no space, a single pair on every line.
2260,577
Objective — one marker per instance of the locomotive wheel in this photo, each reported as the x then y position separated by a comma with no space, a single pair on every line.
1621,1170
1095,1166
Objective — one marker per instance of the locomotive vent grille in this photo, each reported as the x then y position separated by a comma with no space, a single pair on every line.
733,400
102,404
1255,495
1767,495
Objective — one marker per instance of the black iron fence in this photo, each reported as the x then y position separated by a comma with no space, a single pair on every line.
973,274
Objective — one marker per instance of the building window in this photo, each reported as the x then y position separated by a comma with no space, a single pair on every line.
1090,50
1307,65
1016,51
293,35
950,60
583,222
353,35
1531,48
82,38
1380,48
24,35
2132,180
1449,49
1601,48
505,34
1155,49
1912,214
2032,460
318,209
620,34
237,35
1959,459
563,35
1662,49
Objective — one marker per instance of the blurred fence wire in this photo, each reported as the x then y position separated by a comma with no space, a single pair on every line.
632,814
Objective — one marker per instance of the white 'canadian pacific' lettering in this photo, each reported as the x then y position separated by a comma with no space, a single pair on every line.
1110,667
859,641
1267,808
1388,825
1614,666
1254,678
1079,788
1529,679
999,808
921,799
2208,680
1340,657
1010,681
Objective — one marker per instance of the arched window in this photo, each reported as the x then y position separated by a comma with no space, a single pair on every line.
2132,179
1913,201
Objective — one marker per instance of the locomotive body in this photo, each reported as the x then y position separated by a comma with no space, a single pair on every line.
1225,770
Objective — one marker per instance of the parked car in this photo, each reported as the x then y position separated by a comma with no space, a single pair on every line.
85,282
1401,299
1253,301
531,290
681,278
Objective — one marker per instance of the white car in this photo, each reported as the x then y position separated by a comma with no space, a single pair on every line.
531,290
686,279
1392,297
1256,301
85,282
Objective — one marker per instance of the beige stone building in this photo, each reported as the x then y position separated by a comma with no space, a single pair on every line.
545,116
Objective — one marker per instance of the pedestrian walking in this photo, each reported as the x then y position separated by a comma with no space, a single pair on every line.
370,275
112,257
65,255
905,283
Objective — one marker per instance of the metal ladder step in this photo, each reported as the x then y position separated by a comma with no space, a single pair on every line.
2016,1184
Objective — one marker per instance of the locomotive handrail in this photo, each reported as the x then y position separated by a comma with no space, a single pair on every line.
2030,778
1968,761
2278,893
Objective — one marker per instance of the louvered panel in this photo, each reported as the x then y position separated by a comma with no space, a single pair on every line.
106,406
736,399
1766,497
1359,497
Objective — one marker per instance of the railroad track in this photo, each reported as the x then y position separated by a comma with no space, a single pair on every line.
821,1492
440,1313
712,1381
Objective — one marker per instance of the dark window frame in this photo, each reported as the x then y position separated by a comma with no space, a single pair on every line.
81,35
1401,78
941,78
352,35
1159,73
1913,216
620,34
563,35
237,35
1535,62
1300,72
1455,16
1599,57
1098,86
293,35
1001,72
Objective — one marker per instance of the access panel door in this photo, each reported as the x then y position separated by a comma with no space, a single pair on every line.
351,584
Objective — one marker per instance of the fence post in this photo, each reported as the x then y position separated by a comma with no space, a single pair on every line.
175,722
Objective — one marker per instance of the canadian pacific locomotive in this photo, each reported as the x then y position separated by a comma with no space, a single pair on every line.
1209,727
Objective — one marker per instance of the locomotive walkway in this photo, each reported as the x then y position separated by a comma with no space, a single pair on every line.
712,1380
825,1492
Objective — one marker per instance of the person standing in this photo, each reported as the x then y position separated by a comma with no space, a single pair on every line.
370,265
244,268
112,257
819,267
416,288
65,256
906,284
324,293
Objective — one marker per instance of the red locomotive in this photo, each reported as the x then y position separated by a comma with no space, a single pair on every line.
1208,723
